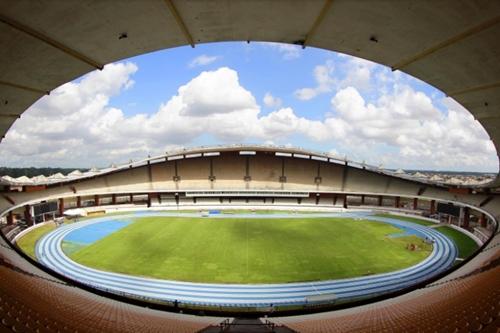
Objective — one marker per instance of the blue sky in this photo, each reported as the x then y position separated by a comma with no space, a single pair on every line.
261,69
249,93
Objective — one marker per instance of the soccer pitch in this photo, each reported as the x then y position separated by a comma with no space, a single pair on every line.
252,250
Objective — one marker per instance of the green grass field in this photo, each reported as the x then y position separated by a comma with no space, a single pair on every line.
248,211
265,211
407,218
27,242
264,250
466,246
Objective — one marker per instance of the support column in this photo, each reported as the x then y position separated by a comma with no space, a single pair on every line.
317,198
96,200
345,201
113,199
362,199
466,217
149,200
131,198
482,220
27,215
61,206
433,207
10,218
79,202
415,203
335,199
380,199
397,201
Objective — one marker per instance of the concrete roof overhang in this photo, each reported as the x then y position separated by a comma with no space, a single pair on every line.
450,44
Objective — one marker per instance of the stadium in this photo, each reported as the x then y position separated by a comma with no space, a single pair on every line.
252,231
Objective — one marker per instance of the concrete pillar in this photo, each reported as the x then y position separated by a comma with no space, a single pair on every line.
96,200
10,218
362,199
482,220
113,199
27,215
433,207
79,202
466,219
345,201
317,198
415,203
61,206
380,199
335,199
397,201
149,200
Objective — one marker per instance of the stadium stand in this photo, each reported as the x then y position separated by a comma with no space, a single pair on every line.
449,44
468,303
430,303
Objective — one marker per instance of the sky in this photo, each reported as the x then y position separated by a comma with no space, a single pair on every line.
253,93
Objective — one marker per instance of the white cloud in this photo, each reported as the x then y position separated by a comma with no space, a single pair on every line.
77,126
398,125
202,60
288,51
324,82
213,103
271,102
356,73
211,94
408,121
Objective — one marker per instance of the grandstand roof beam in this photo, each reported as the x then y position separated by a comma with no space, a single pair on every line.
474,89
487,116
455,39
52,42
180,22
10,115
26,88
317,22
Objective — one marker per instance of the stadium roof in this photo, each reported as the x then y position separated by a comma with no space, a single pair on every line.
452,45
207,151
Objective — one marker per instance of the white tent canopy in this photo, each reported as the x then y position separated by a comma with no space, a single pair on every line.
75,212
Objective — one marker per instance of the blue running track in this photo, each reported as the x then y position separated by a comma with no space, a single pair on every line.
49,253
